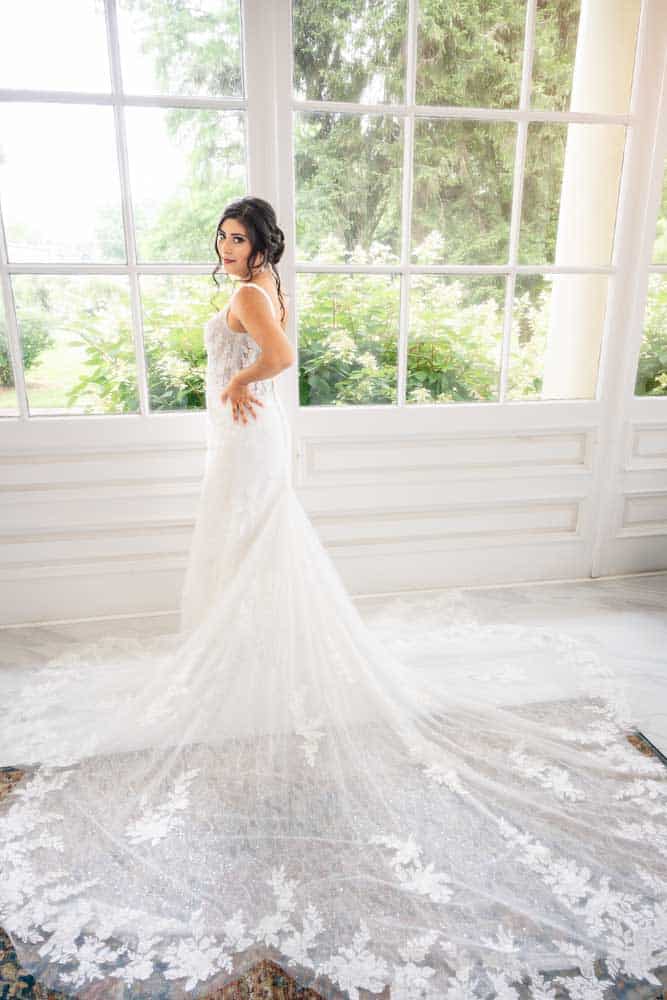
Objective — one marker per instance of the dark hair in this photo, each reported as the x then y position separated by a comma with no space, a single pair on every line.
266,236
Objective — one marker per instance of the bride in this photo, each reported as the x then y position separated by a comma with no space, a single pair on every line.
407,801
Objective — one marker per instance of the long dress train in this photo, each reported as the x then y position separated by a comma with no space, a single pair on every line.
406,799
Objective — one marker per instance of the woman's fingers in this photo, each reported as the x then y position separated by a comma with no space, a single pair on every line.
253,399
239,407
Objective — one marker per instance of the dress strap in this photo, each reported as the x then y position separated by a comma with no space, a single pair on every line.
251,284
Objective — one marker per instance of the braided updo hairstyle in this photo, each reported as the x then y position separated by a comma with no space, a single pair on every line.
266,236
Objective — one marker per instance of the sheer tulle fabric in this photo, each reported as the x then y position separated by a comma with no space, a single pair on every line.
403,797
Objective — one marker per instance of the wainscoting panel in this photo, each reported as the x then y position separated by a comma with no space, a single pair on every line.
634,535
97,516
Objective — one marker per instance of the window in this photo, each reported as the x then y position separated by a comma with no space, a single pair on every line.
113,173
457,171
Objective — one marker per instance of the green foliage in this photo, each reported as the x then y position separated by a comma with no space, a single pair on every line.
349,335
652,368
109,382
176,365
454,346
174,354
175,375
347,339
338,45
530,324
97,318
35,335
470,52
556,28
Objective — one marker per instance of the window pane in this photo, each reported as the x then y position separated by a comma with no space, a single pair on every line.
469,54
60,185
557,325
462,191
8,401
660,243
54,46
175,309
584,63
348,187
76,342
570,193
348,337
185,166
178,47
349,52
455,338
652,368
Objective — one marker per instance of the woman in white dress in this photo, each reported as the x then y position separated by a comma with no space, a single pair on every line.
410,799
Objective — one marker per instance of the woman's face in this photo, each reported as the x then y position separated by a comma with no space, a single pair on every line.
234,247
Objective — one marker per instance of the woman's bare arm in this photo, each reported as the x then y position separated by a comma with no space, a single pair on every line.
276,351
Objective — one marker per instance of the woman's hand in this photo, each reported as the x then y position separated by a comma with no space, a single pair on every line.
241,399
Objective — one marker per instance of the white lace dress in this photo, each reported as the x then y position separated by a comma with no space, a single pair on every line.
408,799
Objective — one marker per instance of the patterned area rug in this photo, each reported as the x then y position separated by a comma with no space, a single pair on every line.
266,980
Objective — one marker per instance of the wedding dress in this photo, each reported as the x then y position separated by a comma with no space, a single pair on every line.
402,798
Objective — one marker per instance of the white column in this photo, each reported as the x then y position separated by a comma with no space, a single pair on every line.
602,80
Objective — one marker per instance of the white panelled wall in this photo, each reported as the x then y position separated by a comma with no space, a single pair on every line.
97,512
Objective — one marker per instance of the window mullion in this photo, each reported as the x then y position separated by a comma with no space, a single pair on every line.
481,114
517,196
259,56
13,340
406,199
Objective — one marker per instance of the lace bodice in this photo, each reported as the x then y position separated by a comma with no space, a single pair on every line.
227,352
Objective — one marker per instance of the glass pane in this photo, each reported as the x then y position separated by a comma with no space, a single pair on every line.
350,52
469,54
570,193
77,346
584,63
557,325
53,46
348,338
652,367
185,165
8,402
455,338
177,47
660,244
348,187
60,185
462,191
175,309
